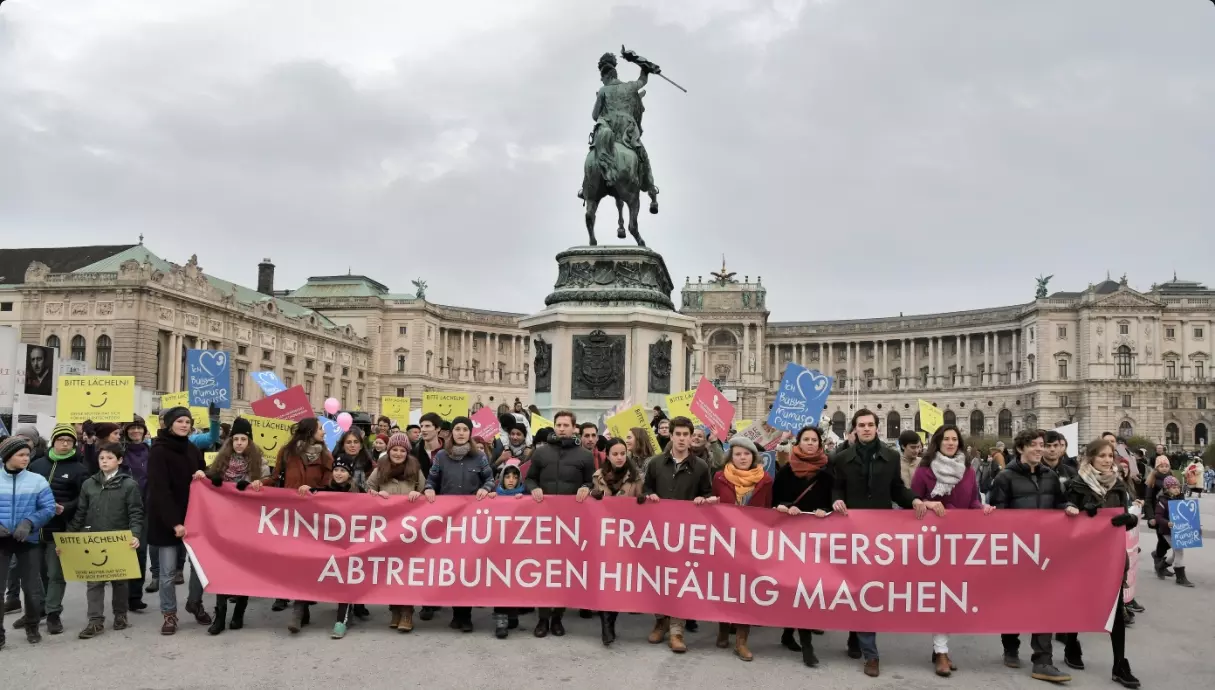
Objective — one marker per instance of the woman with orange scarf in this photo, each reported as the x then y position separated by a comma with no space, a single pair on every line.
803,485
741,482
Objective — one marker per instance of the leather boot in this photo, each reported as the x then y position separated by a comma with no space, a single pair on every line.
675,641
943,666
607,623
1181,578
219,620
807,640
659,631
406,624
297,618
740,643
395,623
238,613
786,639
723,635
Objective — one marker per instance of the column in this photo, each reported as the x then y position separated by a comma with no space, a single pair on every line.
966,362
913,372
848,367
990,356
940,378
957,361
885,371
932,362
1182,336
827,369
903,362
1016,375
746,363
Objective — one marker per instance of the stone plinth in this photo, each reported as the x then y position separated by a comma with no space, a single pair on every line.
610,333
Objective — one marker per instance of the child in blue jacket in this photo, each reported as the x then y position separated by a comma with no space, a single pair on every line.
26,505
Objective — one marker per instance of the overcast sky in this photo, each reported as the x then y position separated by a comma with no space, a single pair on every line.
866,157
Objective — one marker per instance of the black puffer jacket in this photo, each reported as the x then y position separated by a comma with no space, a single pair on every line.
1082,496
65,477
560,468
1067,474
1019,488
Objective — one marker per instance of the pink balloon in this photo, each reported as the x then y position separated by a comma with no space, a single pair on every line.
332,405
344,421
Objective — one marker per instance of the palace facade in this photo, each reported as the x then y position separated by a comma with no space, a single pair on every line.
1108,357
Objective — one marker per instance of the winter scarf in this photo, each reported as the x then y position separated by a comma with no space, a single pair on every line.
1099,482
805,466
948,472
312,453
744,481
237,469
614,477
519,450
458,452
60,457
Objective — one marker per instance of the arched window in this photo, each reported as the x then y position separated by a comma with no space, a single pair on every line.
78,347
103,353
1031,421
723,339
1125,430
976,423
1172,435
1030,361
838,423
52,341
950,417
1124,361
1200,434
893,424
1005,423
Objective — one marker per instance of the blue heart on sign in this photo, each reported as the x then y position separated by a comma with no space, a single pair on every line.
1189,511
212,358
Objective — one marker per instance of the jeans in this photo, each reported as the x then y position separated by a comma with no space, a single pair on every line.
181,562
1040,643
95,595
868,644
52,578
135,587
22,561
12,591
168,593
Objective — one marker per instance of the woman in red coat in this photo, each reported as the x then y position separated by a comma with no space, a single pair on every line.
741,482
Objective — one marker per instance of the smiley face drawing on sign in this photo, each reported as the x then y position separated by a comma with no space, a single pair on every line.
105,398
267,446
105,557
446,409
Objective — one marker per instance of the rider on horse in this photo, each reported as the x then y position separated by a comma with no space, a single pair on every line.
618,106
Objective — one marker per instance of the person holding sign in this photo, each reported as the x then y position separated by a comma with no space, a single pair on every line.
742,481
1171,492
173,463
26,505
109,502
1100,487
867,477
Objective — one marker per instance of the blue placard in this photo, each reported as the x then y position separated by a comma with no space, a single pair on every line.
209,378
1187,523
768,458
333,433
268,381
799,399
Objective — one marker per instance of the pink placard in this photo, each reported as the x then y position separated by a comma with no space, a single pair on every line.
290,404
485,424
712,407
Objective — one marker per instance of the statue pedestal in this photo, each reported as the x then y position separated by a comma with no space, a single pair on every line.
610,333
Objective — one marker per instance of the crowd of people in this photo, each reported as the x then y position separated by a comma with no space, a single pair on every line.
108,477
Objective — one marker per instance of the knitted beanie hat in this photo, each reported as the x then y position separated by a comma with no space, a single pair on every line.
104,429
398,441
743,442
10,446
173,414
241,426
1170,482
63,430
462,420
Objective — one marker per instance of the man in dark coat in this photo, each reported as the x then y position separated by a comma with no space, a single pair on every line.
868,477
1029,484
561,468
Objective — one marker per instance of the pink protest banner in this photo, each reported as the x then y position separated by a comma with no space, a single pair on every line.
712,407
485,424
289,404
882,571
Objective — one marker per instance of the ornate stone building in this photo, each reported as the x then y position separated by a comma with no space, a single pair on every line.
1108,357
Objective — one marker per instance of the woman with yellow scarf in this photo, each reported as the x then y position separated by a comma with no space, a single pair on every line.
742,482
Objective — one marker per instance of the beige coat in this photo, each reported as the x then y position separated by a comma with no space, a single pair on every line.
394,487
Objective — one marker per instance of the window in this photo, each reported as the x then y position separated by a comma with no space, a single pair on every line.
1123,362
240,383
308,388
1126,400
360,398
893,424
1064,401
103,353
289,360
52,341
976,423
401,365
400,392
838,421
897,375
328,389
1063,370
6,306
1005,422
345,371
328,368
242,350
428,331
360,374
307,364
345,393
78,347
1172,434
1170,333
950,417
1124,329
924,377
868,378
1201,402
267,356
402,330
1125,430
1170,369
1197,334
1171,402
1200,370
1063,333
289,381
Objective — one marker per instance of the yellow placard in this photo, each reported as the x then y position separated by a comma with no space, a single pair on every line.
446,405
270,435
742,424
97,556
539,423
396,409
680,405
931,418
200,415
621,423
209,458
923,438
99,398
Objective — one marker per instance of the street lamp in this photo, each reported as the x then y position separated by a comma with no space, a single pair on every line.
1070,409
